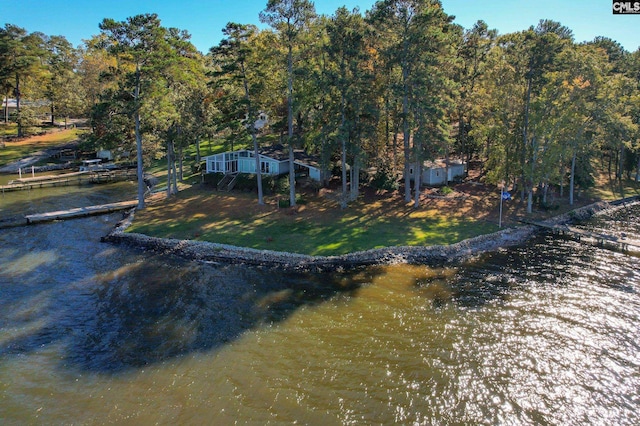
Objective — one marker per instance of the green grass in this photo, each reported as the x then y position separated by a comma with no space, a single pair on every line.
9,129
221,219
613,190
13,151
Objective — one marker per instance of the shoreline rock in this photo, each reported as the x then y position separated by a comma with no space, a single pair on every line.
426,255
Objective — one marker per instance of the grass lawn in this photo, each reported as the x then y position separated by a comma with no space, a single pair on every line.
16,150
9,129
613,190
318,227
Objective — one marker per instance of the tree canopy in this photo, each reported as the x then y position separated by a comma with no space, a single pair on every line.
370,93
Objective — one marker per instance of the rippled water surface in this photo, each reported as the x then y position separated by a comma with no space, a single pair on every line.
546,333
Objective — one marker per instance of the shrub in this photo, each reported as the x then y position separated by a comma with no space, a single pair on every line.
212,179
384,179
445,190
283,203
28,121
246,182
197,168
281,184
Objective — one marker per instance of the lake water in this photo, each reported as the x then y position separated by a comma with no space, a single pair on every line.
544,333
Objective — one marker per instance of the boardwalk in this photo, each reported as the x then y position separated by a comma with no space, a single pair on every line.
599,238
80,212
94,176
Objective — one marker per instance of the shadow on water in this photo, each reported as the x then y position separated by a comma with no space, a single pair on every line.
111,309
161,308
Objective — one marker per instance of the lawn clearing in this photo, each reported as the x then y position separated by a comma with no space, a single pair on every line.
318,227
18,150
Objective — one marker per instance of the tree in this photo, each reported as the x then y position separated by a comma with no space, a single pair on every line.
62,87
147,54
289,18
522,64
472,63
20,54
232,56
96,66
351,74
418,35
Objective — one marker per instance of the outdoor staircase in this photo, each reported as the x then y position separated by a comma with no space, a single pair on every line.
228,182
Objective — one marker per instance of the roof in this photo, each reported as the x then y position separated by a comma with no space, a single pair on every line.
281,153
13,103
441,163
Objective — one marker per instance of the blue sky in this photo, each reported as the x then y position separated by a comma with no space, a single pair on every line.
204,19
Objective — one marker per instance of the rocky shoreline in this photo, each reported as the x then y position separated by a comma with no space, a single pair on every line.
427,255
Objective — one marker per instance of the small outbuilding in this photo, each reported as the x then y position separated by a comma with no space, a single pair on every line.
434,172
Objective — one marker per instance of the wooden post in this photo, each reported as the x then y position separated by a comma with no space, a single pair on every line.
501,194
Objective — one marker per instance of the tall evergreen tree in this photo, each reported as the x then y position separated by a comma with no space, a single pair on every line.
289,18
147,54
21,55
232,56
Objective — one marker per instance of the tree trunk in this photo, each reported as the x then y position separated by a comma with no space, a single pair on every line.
395,151
525,141
351,178
638,170
446,165
6,108
17,93
256,153
572,178
169,159
180,165
562,172
620,166
417,169
198,156
407,135
343,202
254,138
292,172
387,128
355,180
141,184
175,174
343,137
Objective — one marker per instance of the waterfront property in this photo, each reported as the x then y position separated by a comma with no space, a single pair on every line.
434,172
274,160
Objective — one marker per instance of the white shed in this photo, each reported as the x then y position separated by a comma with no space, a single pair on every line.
434,172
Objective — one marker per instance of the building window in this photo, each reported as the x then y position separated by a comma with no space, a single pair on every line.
264,167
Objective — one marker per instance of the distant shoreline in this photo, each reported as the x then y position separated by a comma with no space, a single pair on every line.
427,255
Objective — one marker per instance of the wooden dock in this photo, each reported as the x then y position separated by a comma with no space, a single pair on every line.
600,239
80,212
93,176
